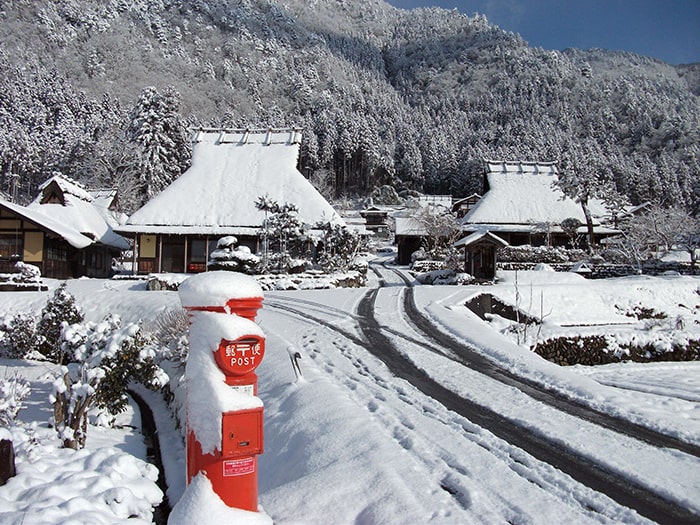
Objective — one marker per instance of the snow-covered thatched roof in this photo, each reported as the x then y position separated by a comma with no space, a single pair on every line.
70,235
407,221
230,171
72,206
408,227
521,194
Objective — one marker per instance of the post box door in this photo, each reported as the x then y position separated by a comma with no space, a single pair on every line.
242,433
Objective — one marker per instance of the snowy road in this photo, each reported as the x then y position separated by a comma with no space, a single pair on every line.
659,483
349,442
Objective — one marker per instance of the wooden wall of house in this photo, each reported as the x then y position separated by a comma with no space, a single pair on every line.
22,240
180,253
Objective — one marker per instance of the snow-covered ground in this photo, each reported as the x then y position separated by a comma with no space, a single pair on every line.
349,443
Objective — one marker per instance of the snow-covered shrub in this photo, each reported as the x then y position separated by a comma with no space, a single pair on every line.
338,248
18,335
639,311
104,358
168,326
52,486
419,255
423,266
13,391
169,332
28,273
60,310
446,276
229,256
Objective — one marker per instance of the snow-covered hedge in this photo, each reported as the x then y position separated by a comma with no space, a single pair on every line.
539,254
26,277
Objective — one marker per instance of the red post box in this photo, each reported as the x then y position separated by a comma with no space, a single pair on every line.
228,349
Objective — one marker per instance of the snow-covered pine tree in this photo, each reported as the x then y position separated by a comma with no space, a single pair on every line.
61,310
159,139
283,233
232,257
18,336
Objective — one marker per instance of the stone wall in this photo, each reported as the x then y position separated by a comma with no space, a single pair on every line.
593,350
605,270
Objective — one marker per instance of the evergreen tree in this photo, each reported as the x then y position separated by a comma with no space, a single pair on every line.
338,248
61,310
284,234
159,140
18,337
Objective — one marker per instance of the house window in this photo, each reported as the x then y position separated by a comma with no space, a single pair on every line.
198,251
198,255
56,252
212,244
173,257
10,246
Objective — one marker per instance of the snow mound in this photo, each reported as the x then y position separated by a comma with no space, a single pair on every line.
55,486
200,495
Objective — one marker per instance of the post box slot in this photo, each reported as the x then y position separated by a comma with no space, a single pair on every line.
242,433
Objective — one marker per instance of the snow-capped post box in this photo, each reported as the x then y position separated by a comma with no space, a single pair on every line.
224,414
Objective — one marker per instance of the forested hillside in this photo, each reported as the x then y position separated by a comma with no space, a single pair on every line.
102,91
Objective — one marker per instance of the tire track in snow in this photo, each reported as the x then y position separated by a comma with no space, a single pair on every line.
623,490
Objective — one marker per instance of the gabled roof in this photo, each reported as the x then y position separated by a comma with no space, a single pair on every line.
480,236
69,204
525,193
474,197
408,226
104,197
406,220
57,188
230,171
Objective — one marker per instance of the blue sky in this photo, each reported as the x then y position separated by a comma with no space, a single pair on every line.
664,29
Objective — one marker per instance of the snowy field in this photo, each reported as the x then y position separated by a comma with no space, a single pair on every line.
349,443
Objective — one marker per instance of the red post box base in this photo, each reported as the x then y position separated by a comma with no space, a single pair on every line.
234,480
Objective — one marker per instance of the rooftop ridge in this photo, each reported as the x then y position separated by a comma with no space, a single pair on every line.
242,135
521,167
256,130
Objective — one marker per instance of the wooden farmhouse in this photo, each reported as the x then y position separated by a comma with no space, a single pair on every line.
178,229
522,204
65,232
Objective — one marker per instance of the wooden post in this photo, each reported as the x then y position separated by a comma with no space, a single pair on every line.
7,461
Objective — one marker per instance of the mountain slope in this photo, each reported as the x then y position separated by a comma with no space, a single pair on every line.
410,98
